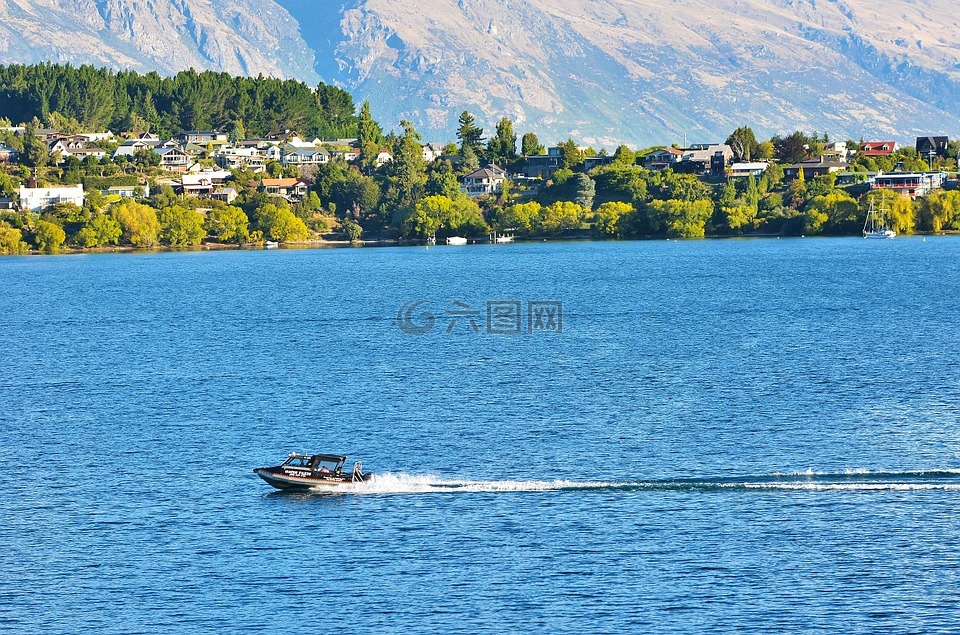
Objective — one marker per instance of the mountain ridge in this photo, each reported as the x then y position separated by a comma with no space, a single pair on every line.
603,72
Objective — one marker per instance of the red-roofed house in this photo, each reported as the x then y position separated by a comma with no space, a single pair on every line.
879,148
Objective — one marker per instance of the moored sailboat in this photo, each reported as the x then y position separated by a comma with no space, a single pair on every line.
875,226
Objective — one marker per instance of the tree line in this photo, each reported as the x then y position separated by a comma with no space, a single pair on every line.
409,197
97,99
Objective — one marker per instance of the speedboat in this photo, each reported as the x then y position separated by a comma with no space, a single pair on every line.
456,240
301,471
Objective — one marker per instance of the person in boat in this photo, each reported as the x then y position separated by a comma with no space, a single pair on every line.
324,470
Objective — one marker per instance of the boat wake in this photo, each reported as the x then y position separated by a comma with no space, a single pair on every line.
850,480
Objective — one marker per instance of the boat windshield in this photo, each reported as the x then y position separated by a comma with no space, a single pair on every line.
326,465
298,461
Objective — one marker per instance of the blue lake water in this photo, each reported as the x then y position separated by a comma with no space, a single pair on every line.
713,435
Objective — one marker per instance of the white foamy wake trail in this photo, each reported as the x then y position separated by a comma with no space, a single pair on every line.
851,480
418,484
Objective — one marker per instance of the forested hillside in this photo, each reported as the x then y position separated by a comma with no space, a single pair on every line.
101,99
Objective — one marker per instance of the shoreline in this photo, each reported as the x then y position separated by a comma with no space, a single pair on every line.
399,242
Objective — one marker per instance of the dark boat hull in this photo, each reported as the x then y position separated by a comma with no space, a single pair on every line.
280,480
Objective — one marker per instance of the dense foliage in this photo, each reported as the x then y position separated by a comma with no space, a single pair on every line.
100,99
402,195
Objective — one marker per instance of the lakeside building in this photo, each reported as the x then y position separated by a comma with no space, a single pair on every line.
36,199
912,184
487,180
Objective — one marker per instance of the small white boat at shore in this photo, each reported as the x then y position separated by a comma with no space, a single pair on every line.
503,239
456,240
271,244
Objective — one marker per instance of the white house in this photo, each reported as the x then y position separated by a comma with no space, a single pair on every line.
483,181
745,169
36,199
432,152
129,148
239,158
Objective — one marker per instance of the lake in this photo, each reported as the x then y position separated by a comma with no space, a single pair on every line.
658,436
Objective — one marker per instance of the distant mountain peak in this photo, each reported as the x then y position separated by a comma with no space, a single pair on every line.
603,71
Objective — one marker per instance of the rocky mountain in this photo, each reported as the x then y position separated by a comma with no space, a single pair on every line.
236,36
602,71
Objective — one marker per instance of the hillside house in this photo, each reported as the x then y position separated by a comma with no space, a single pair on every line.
129,148
128,191
486,180
384,157
662,159
8,155
203,183
238,158
202,137
542,166
747,169
432,152
931,147
226,194
812,169
36,199
173,159
344,154
75,146
292,190
912,184
305,156
706,158
594,162
879,148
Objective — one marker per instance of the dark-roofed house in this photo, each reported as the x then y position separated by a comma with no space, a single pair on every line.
592,162
305,156
930,147
542,166
8,155
812,169
173,159
483,181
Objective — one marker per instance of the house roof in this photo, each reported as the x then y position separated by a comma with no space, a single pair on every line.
876,148
484,173
280,182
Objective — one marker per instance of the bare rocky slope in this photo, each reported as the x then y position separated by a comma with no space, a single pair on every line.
602,71
236,36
